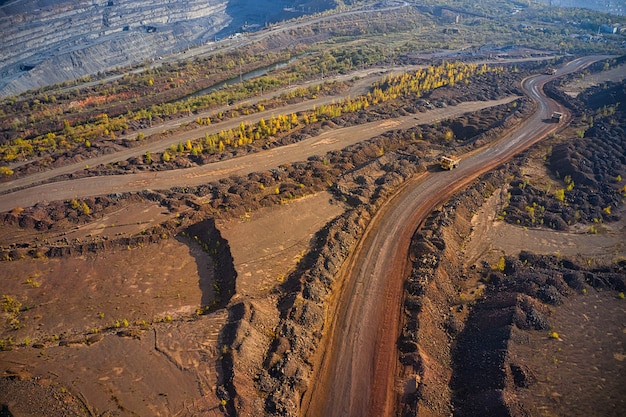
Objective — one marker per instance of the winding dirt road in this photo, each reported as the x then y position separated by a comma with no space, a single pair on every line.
357,373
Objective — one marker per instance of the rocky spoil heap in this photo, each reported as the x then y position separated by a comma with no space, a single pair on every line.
487,375
588,174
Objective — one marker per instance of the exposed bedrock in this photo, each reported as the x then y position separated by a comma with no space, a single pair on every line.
50,41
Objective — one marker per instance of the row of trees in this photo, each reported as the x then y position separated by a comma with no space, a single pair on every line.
68,138
105,127
427,79
390,88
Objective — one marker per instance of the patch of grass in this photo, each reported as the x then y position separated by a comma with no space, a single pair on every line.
501,265
32,282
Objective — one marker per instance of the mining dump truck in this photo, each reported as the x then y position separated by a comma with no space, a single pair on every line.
448,162
556,117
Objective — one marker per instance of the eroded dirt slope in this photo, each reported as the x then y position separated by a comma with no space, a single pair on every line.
528,320
256,356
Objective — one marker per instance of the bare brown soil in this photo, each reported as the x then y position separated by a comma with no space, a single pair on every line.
515,318
265,251
109,327
582,372
131,323
140,328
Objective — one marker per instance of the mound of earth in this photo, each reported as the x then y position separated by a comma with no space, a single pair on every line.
587,174
519,335
489,368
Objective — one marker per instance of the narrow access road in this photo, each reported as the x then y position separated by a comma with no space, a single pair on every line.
358,369
329,141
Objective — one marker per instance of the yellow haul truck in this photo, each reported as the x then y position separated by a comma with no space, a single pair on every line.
448,162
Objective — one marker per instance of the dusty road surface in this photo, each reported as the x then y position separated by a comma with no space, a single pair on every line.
356,376
319,145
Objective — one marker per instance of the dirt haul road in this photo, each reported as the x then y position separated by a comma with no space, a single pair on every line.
357,373
319,145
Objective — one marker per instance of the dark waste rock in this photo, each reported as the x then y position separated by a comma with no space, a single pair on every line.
549,295
575,279
314,291
94,339
265,382
453,325
523,376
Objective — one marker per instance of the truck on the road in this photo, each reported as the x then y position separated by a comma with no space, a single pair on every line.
556,117
448,162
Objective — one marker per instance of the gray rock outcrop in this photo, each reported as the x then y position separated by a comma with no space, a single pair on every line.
50,41
46,42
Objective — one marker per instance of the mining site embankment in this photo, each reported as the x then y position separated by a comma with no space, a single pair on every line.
502,307
173,314
84,39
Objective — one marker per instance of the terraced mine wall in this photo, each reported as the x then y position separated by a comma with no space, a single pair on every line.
48,42
56,41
